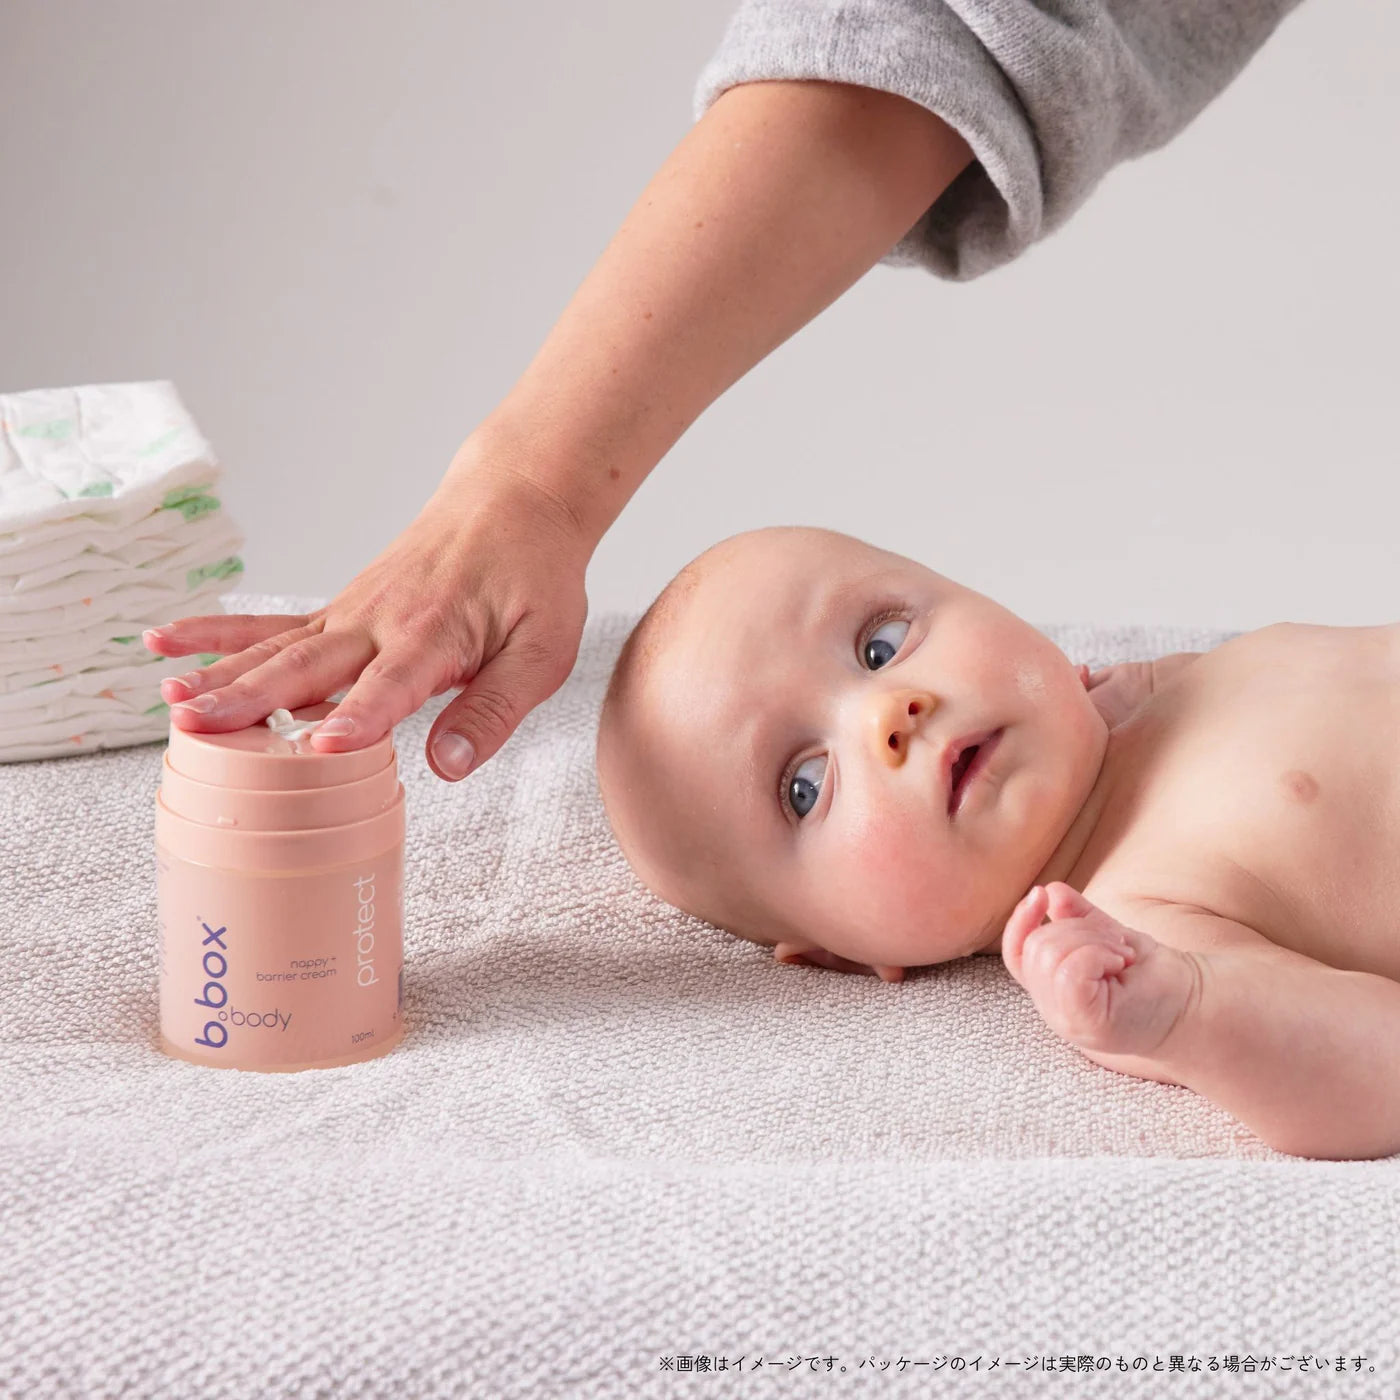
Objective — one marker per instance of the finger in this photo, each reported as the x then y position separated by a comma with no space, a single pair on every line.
1083,992
1087,950
226,670
1025,919
1065,902
821,957
488,710
391,687
302,673
1087,963
817,957
221,632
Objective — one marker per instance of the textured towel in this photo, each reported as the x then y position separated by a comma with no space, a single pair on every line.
619,1150
1050,96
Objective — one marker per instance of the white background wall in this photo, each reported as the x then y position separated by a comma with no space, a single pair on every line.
343,229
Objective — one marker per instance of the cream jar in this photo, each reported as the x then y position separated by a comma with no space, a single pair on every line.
280,888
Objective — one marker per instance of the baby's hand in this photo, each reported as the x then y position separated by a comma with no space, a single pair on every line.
1099,984
1119,691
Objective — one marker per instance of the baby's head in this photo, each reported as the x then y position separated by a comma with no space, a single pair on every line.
774,752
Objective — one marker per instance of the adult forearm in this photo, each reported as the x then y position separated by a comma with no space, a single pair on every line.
775,202
1306,1055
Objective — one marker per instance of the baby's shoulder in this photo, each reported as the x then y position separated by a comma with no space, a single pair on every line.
1302,647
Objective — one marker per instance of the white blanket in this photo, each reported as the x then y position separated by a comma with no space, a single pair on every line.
619,1150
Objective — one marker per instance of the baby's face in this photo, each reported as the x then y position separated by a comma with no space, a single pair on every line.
794,752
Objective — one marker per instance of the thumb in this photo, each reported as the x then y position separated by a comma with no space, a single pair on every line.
1065,902
486,712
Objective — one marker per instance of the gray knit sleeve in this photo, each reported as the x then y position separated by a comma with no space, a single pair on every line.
1049,94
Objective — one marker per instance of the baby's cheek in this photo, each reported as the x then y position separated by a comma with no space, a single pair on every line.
889,870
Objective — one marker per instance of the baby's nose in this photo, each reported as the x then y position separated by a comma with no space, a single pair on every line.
894,716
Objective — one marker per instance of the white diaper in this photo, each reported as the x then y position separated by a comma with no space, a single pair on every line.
71,549
110,523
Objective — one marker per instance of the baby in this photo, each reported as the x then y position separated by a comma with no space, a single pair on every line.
832,750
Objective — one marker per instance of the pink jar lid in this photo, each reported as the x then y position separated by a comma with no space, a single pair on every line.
278,809
278,852
258,757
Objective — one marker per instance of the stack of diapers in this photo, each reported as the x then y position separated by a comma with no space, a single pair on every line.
108,525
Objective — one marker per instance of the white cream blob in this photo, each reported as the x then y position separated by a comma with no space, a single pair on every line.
285,727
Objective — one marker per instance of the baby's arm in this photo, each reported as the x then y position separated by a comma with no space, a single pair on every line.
1305,1054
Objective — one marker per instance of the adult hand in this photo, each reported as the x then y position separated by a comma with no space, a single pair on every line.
485,590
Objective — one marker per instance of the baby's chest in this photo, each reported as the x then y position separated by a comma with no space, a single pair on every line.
1275,800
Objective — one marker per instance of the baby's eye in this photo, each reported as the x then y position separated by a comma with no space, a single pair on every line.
878,649
803,792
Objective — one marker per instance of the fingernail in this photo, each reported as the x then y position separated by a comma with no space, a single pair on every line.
200,705
336,728
157,631
453,753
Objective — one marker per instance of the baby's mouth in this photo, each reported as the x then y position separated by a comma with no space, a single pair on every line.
966,768
964,762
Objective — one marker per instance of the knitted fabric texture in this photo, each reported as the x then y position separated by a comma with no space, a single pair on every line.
614,1135
1049,96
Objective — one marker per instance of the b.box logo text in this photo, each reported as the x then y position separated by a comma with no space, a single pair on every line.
215,967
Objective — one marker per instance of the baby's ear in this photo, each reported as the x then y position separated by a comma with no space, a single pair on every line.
819,957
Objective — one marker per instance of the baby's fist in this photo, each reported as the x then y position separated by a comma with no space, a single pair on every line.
1098,983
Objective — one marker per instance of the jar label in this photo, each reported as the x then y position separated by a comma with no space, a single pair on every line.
269,971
